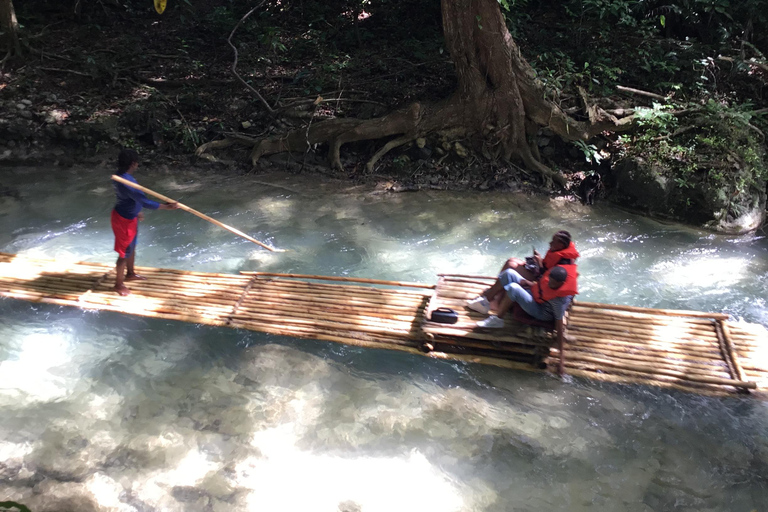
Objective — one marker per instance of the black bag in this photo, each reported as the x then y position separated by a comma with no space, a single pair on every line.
444,316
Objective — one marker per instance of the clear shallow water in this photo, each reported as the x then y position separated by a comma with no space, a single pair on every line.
107,412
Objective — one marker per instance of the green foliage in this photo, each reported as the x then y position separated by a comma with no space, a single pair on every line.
221,19
590,151
614,11
13,506
714,142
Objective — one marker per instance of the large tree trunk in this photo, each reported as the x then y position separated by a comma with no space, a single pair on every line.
497,101
9,26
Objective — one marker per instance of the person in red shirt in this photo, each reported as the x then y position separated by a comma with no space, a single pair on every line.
125,217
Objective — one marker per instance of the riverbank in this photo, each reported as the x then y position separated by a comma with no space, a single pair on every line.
164,85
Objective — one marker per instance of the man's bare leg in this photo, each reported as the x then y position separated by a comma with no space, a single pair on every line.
120,287
132,275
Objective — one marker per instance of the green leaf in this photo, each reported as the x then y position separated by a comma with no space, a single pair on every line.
663,20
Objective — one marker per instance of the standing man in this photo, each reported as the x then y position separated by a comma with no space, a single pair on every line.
125,217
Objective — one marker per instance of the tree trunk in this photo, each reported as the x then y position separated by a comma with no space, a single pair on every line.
498,102
9,26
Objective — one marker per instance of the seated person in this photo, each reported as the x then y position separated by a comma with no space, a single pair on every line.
547,300
562,251
560,247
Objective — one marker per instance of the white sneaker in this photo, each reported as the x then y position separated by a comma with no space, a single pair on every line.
492,322
479,304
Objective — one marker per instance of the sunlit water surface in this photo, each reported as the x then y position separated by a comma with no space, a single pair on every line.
108,412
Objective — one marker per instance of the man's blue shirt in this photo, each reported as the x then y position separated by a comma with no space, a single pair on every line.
129,200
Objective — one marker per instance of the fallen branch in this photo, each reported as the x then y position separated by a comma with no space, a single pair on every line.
71,71
677,132
751,62
234,64
330,100
641,92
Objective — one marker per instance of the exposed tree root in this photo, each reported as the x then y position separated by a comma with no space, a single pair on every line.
498,102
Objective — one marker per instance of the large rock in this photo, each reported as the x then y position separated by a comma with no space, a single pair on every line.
696,199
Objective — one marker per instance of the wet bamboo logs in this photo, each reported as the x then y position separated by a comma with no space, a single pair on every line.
613,346
579,311
653,311
727,341
467,276
624,359
655,370
638,379
500,347
342,279
240,300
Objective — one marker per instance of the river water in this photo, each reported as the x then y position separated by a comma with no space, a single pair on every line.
102,411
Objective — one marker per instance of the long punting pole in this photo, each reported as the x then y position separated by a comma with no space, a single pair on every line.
192,211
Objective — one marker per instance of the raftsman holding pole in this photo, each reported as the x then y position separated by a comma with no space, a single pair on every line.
193,212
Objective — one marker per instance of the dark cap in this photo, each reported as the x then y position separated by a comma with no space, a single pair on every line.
558,274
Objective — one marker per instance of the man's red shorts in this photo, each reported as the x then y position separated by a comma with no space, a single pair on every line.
125,231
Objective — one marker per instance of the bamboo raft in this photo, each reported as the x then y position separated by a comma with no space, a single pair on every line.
686,350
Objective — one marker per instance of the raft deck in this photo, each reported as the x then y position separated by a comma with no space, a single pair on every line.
687,350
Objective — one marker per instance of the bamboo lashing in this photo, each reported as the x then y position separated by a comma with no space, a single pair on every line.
695,353
193,212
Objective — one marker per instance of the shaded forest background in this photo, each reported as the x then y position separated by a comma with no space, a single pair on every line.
87,76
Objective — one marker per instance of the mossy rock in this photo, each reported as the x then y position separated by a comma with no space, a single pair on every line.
702,202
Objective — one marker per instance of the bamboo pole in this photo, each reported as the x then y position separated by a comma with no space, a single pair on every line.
191,210
345,321
643,335
500,347
655,311
578,311
358,302
647,355
620,358
655,370
415,315
344,288
692,347
630,347
492,361
341,289
708,334
623,379
503,337
729,348
467,276
337,278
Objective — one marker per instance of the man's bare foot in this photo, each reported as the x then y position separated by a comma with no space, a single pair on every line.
135,277
122,290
